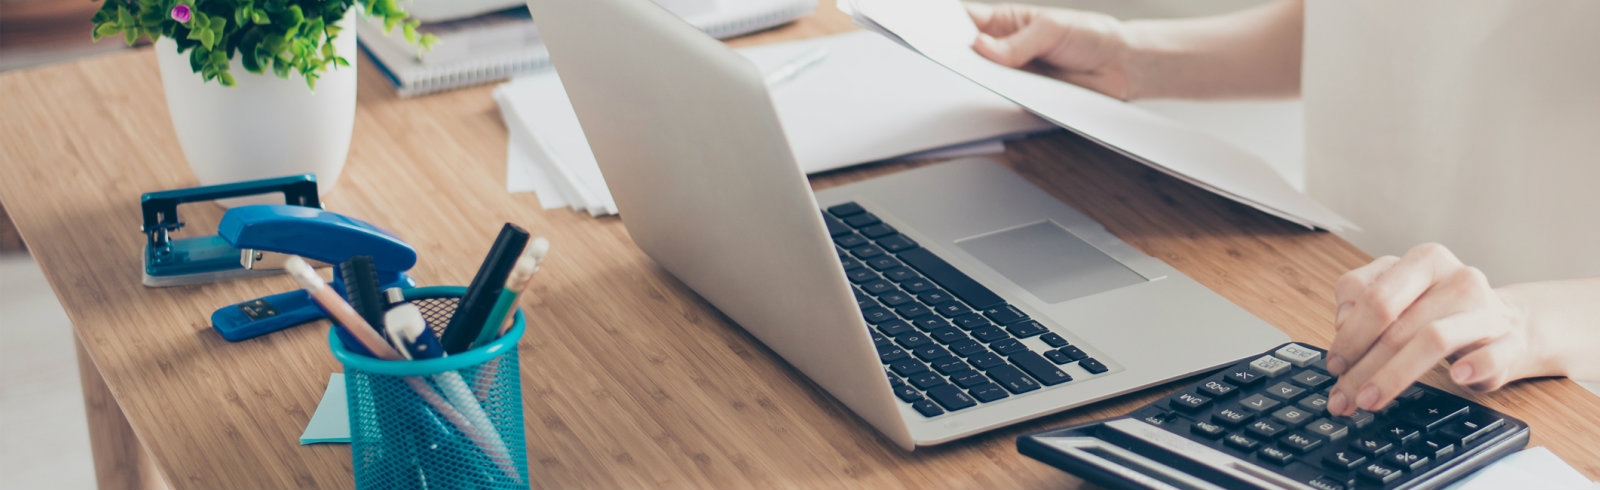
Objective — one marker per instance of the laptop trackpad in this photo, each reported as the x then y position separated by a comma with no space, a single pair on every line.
1049,261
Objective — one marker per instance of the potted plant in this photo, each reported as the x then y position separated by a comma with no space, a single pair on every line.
256,88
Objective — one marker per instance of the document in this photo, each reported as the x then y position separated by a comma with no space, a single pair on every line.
868,100
941,31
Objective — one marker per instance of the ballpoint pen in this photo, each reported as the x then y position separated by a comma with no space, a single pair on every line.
521,274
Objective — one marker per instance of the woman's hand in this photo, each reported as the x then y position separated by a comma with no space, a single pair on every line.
1398,317
1084,48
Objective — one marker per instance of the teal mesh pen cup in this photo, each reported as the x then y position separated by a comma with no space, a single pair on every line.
447,423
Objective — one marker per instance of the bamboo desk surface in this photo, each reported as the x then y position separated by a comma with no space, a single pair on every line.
630,379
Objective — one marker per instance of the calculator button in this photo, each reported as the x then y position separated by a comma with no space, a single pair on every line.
1284,391
1400,433
1242,377
1240,442
1343,460
1433,412
1476,425
1258,403
1331,430
1297,354
1189,402
1378,473
1311,379
1360,419
1317,404
1437,448
1265,429
1275,456
1206,429
1371,446
1293,416
1406,460
1300,442
1215,388
1326,483
1232,417
1269,366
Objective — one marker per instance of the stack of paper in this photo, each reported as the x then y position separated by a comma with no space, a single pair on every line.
942,31
867,100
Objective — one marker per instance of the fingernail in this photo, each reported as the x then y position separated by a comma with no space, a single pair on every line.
1338,318
1461,373
1337,402
1368,399
1336,364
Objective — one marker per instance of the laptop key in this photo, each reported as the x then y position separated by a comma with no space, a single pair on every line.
950,365
897,243
894,298
970,321
990,334
1013,379
850,263
986,361
927,408
836,227
952,279
883,263
1057,357
877,287
1006,347
861,219
968,379
876,315
869,251
932,353
1004,314
950,397
1074,353
899,274
846,209
951,309
948,335
908,367
1093,366
988,392
877,231
913,340
935,297
966,348
926,380
1035,365
907,394
913,311
894,328
1026,329
1053,340
861,275
930,323
851,240
892,355
918,286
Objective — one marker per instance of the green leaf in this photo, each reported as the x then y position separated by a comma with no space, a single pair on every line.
311,81
260,18
106,30
226,79
198,20
131,36
339,60
410,30
389,23
427,42
280,67
241,15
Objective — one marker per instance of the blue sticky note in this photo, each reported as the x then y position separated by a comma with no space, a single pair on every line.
331,421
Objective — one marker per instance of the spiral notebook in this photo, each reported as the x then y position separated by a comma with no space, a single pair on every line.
411,76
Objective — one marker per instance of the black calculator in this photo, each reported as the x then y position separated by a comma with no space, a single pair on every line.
1263,423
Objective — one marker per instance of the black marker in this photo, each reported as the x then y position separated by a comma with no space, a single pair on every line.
476,306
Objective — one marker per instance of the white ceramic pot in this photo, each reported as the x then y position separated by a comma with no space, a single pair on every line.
264,126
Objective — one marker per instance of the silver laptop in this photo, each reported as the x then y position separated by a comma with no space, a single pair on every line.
936,303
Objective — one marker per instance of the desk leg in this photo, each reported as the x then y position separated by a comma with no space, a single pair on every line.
120,461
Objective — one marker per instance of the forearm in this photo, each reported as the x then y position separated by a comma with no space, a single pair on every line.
1563,322
1250,53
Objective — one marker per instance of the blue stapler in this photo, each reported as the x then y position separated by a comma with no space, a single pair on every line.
269,233
172,261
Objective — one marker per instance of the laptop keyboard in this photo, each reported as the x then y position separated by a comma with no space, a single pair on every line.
948,342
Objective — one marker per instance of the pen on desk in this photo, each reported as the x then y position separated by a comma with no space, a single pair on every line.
345,316
484,291
789,71
521,274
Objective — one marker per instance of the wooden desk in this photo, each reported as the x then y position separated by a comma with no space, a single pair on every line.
630,379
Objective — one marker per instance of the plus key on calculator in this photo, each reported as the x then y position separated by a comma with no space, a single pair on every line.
1262,422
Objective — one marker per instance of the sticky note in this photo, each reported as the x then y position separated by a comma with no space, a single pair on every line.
331,421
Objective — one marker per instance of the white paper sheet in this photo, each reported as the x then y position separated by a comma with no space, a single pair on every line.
1534,467
868,100
941,30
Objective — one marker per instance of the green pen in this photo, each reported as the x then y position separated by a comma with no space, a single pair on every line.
521,274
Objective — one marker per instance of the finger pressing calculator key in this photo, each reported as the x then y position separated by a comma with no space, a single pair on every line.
1262,422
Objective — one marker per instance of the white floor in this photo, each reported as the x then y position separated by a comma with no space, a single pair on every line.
44,441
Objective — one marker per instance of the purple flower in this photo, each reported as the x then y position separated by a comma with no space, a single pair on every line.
180,13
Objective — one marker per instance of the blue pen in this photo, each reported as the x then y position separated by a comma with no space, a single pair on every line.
407,330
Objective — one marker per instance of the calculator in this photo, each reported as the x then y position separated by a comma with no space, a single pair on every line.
1263,423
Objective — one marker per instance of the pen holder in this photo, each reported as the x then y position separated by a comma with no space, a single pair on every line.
452,422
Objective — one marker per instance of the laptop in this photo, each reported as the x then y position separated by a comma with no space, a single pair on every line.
937,303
